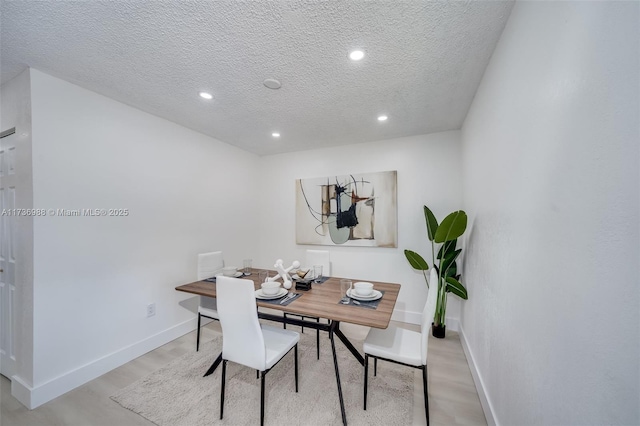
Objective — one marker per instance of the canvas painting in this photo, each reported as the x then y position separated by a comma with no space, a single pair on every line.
349,210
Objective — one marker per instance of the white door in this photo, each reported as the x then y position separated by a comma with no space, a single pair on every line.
7,252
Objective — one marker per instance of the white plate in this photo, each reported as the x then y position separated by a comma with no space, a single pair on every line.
261,295
374,296
236,275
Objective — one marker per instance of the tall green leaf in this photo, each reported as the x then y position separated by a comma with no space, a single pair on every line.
432,223
449,260
452,271
454,286
452,227
446,248
416,261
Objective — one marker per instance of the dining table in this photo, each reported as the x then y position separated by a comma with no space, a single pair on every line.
322,300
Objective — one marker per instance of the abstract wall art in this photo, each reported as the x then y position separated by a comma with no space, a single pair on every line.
349,210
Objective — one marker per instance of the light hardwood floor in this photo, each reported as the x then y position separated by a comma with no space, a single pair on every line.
452,395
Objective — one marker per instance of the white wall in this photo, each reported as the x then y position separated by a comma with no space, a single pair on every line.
428,173
94,276
551,155
15,111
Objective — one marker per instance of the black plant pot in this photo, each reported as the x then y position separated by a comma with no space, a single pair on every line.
438,330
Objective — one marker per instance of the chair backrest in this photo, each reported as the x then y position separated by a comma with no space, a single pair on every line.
209,264
319,257
428,313
242,339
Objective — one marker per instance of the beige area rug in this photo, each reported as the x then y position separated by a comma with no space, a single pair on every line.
177,394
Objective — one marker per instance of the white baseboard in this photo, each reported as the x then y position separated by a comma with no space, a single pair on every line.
32,397
477,379
21,391
452,324
409,317
406,316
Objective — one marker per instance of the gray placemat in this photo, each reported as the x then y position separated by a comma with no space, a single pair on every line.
372,304
277,301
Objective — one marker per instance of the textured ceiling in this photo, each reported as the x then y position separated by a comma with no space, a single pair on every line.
423,63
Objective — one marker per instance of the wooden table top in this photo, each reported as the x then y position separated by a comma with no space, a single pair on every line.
321,301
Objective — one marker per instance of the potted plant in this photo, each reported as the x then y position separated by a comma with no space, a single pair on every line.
446,234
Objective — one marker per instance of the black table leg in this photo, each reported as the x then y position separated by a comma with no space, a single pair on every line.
332,330
214,365
348,344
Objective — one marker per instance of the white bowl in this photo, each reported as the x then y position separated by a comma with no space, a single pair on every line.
270,287
229,271
363,288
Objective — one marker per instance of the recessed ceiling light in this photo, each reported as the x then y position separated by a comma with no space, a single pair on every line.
356,55
275,134
382,118
206,95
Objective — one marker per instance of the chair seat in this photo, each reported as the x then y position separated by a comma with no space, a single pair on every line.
277,343
397,344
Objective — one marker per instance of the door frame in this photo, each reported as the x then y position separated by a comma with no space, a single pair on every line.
7,262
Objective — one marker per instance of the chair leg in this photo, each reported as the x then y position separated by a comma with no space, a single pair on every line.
426,396
284,324
224,372
295,354
318,339
198,333
375,367
262,399
366,377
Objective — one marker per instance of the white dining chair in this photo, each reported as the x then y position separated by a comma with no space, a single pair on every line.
208,265
319,257
244,340
402,346
316,257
